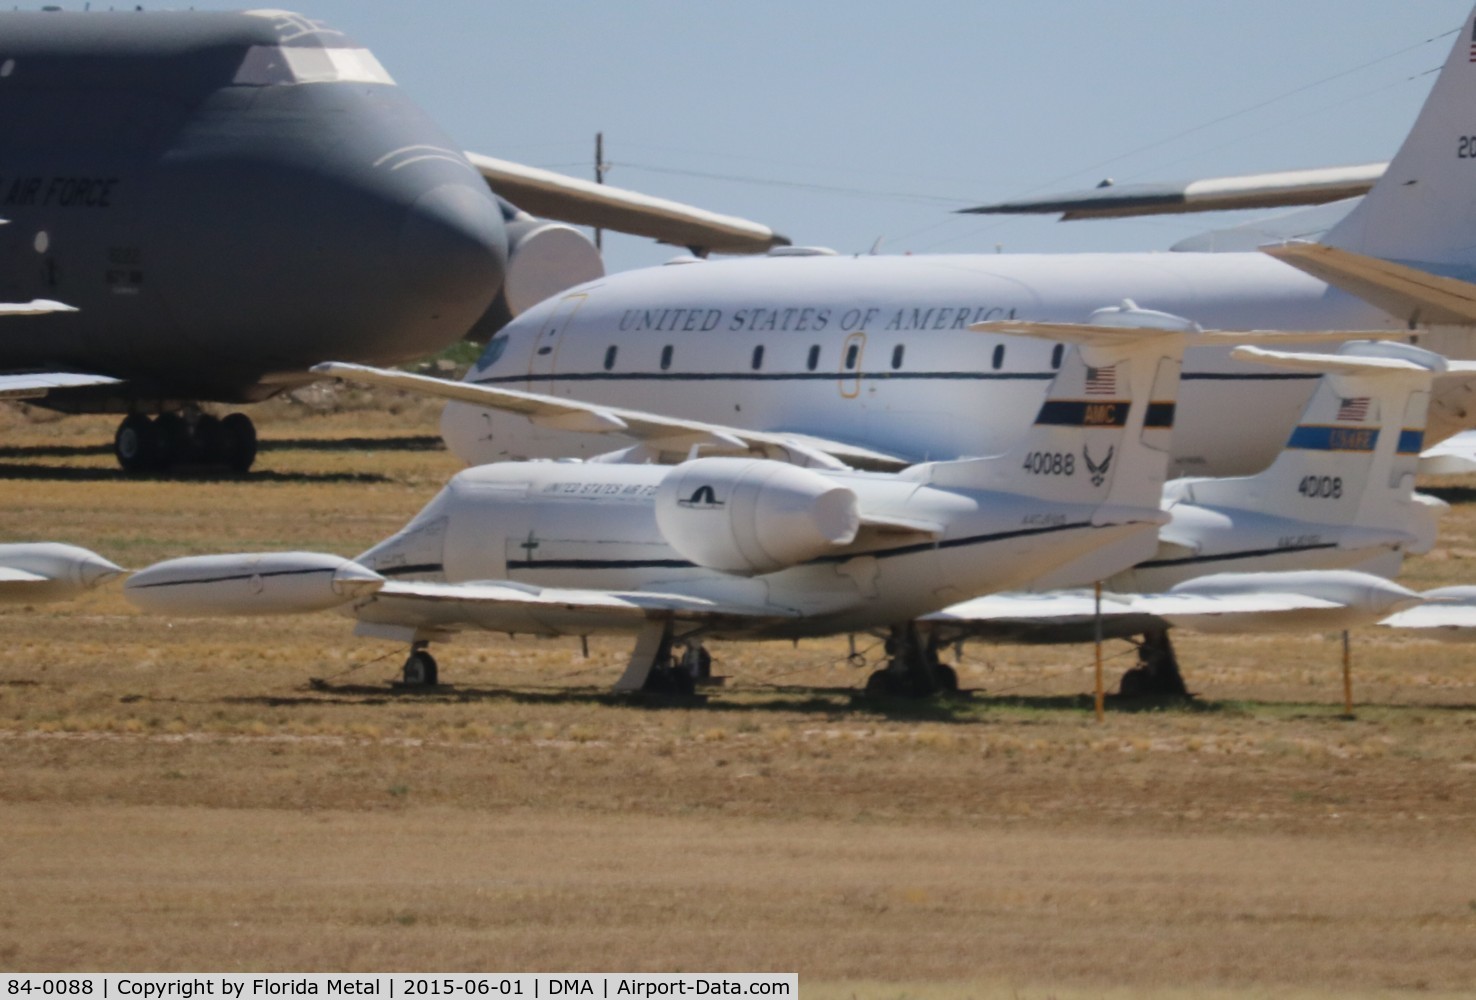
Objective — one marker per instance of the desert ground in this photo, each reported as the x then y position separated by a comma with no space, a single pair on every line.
233,794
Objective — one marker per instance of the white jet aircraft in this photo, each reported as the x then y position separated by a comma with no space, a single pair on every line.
875,359
1280,544
738,547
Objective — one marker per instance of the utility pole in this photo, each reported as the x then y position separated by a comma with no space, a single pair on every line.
599,179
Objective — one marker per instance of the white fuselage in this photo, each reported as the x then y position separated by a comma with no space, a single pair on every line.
876,351
596,527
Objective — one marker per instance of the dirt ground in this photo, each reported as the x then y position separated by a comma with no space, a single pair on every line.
180,795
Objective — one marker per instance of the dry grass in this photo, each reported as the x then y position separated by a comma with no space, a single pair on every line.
176,796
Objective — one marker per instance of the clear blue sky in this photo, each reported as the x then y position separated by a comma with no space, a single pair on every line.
839,123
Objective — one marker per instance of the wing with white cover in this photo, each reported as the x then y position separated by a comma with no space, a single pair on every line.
1449,614
39,572
435,608
1224,602
1314,186
1455,456
569,199
664,438
36,385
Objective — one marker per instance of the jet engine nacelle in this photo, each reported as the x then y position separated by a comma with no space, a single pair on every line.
751,516
543,259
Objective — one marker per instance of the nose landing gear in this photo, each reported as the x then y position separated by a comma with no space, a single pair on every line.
144,444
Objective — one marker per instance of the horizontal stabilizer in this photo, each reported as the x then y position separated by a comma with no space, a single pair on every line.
1212,194
1409,293
570,199
1331,364
669,436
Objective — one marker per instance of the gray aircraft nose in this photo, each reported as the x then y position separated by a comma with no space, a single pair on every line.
452,256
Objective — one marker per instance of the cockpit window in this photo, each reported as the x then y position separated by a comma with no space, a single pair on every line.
492,353
275,65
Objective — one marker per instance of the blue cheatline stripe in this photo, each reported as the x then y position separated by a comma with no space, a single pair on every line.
1229,556
414,568
513,564
901,550
1313,437
1083,413
1411,442
229,577
513,381
825,376
1160,415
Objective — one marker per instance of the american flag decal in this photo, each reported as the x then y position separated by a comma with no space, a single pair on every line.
1354,410
1101,381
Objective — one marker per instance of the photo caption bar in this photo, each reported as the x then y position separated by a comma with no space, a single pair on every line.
393,985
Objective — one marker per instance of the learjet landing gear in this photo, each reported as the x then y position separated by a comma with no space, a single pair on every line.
420,668
652,670
913,669
1157,672
159,444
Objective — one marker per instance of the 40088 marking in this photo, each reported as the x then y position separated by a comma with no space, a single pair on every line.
1050,463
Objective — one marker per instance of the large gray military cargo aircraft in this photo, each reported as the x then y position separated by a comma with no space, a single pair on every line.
198,206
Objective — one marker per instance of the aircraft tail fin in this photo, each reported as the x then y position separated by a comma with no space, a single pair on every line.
1423,208
1102,435
1352,458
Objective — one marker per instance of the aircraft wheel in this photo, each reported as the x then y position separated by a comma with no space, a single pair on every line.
209,440
671,680
134,443
238,442
882,684
420,670
171,441
946,677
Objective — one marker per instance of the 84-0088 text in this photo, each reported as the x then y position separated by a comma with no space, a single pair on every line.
534,986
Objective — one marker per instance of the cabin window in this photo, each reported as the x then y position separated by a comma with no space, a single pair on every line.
276,65
610,356
814,359
1057,353
758,358
666,357
852,353
897,356
998,356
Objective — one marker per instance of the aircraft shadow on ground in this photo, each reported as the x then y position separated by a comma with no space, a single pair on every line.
969,706
413,442
203,475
